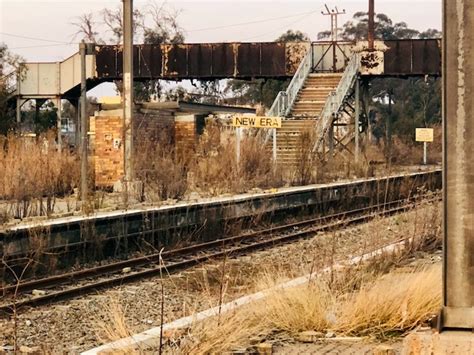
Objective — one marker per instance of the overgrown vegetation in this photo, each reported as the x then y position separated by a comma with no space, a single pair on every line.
33,174
383,296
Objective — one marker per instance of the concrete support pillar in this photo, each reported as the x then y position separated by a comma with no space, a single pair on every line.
59,106
84,126
458,164
128,88
77,123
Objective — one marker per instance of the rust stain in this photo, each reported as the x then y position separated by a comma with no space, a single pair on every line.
370,60
294,53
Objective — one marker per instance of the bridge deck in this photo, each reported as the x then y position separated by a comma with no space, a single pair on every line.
208,61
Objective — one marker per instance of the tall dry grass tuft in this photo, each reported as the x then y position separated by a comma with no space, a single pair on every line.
394,303
397,302
298,309
110,323
234,330
33,173
160,168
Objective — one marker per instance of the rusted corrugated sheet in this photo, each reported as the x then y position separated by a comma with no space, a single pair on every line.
252,60
202,63
149,54
248,59
413,57
273,59
223,60
199,61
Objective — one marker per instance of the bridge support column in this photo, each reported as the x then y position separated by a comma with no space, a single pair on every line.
59,106
458,165
128,91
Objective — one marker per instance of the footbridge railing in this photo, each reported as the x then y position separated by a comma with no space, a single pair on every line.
336,99
285,99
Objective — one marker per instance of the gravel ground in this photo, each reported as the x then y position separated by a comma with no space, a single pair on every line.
76,325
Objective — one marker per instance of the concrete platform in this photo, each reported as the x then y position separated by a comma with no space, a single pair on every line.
434,343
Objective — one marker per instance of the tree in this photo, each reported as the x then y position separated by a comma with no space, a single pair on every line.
10,68
153,24
263,91
293,36
385,29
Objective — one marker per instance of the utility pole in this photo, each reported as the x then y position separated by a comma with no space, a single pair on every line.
334,13
458,166
128,92
84,126
371,26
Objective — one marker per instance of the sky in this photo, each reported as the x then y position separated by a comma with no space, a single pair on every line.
42,30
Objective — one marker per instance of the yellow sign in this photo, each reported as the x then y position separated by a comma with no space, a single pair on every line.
424,135
257,121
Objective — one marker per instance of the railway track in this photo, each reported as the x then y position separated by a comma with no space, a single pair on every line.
73,284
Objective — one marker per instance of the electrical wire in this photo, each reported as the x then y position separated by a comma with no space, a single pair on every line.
32,38
277,29
252,22
45,45
63,43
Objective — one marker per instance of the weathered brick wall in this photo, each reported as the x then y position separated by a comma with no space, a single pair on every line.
185,133
107,141
108,150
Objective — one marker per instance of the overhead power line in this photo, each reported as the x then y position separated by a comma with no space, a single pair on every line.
252,22
33,38
278,29
45,45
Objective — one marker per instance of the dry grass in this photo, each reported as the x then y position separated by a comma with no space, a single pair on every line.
302,308
235,329
33,173
110,323
394,303
210,169
397,302
384,296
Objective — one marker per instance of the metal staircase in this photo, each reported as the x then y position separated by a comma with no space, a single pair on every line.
8,83
285,99
338,102
315,100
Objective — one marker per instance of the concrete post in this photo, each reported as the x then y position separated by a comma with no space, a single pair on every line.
128,88
18,98
458,165
59,106
84,125
356,121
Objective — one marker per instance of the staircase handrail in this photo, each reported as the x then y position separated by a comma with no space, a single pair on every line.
335,100
285,99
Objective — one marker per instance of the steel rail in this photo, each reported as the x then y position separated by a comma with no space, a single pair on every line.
187,258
